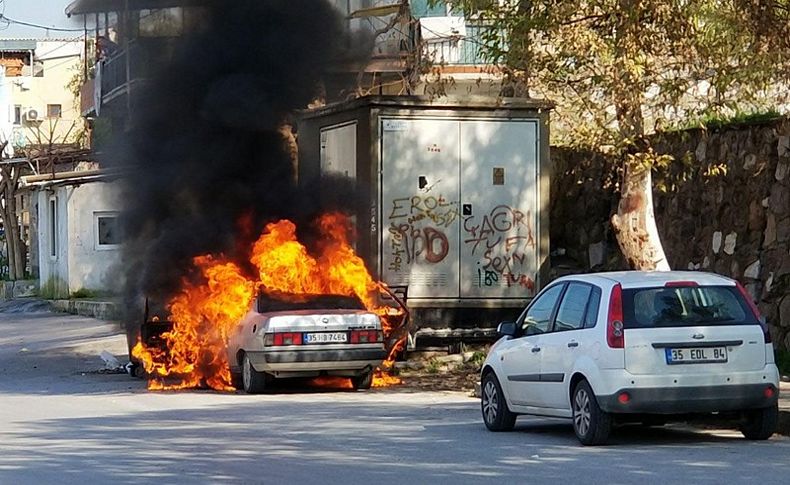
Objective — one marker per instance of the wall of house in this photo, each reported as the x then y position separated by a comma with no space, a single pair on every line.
91,265
60,61
723,206
53,261
80,261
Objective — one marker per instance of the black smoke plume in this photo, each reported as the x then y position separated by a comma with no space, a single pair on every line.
208,164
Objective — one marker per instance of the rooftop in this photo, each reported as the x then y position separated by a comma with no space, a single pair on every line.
17,45
78,7
485,103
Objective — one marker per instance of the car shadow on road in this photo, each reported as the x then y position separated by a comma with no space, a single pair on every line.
633,434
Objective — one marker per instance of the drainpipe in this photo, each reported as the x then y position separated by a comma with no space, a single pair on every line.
84,51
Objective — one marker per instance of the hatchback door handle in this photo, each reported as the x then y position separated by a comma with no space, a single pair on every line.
535,349
573,344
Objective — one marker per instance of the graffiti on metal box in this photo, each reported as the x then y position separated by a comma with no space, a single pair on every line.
417,229
502,240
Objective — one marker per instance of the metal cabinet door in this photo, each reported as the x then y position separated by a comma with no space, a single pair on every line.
499,208
419,207
339,149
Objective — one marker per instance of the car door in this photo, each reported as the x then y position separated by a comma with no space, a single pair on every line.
568,339
520,356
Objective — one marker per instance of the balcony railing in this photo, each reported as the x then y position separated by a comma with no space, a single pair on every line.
466,50
144,56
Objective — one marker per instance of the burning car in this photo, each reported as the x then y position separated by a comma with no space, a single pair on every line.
227,326
287,335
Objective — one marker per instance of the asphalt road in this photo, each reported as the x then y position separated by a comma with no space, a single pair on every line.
61,422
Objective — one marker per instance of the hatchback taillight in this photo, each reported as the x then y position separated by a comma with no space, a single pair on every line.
366,336
615,331
755,311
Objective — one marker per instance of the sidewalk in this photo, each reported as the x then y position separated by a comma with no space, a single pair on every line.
101,309
784,408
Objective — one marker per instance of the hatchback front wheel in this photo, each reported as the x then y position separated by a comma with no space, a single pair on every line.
496,415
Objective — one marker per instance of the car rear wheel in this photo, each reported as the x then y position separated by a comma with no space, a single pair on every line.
760,424
252,381
591,425
362,381
496,415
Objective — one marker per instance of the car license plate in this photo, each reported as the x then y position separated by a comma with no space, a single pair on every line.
325,337
696,355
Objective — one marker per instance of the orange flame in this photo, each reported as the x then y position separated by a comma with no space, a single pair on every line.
203,314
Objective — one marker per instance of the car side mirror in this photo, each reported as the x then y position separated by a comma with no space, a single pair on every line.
506,329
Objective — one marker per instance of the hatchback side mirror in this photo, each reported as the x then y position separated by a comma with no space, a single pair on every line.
506,329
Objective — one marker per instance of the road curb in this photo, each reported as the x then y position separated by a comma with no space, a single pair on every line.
784,423
103,310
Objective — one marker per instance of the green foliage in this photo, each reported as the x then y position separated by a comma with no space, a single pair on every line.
83,293
619,70
475,362
93,294
53,288
478,357
102,132
713,122
433,366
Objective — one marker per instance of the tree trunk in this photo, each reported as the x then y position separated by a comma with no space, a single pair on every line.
635,225
9,224
15,247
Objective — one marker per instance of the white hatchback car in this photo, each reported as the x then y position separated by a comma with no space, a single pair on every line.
634,346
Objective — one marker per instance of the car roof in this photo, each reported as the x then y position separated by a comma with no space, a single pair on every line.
637,279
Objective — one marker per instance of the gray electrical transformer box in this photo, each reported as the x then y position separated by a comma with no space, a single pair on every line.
458,197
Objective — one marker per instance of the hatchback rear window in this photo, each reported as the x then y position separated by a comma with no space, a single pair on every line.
685,307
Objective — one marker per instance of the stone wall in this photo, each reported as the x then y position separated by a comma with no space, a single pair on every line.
723,205
18,289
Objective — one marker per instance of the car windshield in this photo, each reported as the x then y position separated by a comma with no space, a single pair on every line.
685,306
283,302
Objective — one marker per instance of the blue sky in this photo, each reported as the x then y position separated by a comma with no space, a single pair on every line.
43,12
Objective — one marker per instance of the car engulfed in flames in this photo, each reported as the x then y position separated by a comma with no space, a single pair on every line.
306,336
301,315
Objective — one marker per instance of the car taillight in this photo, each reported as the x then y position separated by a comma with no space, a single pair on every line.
366,336
615,332
755,311
681,284
286,338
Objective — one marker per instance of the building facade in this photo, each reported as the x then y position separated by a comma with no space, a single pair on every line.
418,49
78,236
37,104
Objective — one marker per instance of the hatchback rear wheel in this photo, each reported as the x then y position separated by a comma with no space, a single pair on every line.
760,424
496,415
591,425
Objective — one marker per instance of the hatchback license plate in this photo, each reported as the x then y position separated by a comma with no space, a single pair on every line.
696,355
325,338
